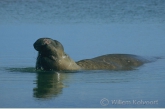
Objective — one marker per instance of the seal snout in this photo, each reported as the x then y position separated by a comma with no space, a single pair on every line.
46,41
41,43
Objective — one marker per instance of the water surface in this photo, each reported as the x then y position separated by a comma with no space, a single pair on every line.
86,28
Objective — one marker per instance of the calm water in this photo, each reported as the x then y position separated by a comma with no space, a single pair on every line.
86,28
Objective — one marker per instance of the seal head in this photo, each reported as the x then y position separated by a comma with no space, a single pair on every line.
51,56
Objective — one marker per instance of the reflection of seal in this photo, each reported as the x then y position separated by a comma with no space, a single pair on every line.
51,56
49,85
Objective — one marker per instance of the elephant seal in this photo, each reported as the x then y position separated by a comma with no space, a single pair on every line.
51,56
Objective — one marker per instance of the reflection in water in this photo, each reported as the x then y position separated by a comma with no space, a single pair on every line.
49,84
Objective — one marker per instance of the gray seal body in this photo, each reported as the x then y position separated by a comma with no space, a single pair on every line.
51,56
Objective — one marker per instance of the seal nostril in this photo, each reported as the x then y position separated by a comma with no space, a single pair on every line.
46,41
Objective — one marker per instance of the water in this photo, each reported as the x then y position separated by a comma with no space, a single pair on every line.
86,28
90,11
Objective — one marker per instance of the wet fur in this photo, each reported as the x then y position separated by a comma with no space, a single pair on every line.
51,56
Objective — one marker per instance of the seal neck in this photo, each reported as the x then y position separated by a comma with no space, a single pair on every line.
66,63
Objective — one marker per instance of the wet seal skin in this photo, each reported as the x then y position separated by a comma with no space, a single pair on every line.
51,56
